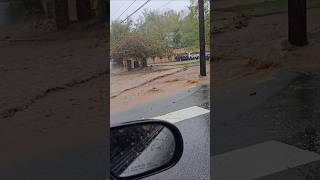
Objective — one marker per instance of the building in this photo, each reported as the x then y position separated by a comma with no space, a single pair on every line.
131,63
157,60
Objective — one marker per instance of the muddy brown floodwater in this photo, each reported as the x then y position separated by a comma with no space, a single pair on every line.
53,90
129,89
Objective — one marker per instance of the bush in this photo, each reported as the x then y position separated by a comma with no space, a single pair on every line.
139,47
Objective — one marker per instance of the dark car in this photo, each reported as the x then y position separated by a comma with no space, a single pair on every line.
184,57
207,55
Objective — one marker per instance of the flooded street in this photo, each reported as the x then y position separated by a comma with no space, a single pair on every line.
116,67
133,88
189,111
33,110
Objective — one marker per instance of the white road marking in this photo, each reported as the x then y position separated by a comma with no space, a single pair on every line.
259,160
183,114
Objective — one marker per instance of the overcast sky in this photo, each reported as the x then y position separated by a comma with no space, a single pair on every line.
119,6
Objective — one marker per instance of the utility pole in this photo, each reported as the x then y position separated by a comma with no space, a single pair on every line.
212,25
202,39
297,25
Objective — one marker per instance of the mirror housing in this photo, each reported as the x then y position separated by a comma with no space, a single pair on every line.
177,153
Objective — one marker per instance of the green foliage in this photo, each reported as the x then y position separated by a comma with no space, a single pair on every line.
162,27
191,63
118,30
166,30
190,30
137,46
131,46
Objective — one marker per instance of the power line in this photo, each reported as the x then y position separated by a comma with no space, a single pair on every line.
165,4
122,5
126,9
136,10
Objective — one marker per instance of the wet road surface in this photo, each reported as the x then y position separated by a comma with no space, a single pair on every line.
87,161
272,133
80,163
194,163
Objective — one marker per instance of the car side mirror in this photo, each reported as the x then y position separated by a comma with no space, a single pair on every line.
144,148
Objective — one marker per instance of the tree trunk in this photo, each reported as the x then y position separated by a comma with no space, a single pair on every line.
297,18
211,32
202,39
144,63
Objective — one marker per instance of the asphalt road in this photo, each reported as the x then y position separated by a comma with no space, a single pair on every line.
87,160
195,161
80,163
267,130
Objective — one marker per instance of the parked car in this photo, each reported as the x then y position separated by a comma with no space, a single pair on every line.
184,57
195,55
207,55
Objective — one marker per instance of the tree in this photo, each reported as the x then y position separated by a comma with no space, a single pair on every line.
189,32
167,29
138,47
162,27
190,25
119,30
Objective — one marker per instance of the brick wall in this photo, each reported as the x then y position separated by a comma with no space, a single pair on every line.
160,60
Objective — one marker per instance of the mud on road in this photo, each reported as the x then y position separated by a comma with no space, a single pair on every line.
129,89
